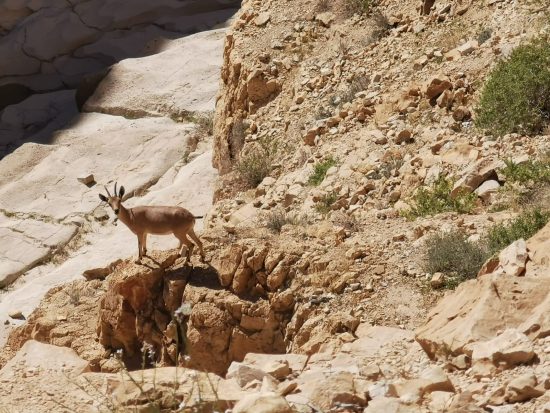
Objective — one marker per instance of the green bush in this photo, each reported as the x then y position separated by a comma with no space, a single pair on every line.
516,97
320,171
459,259
256,162
453,255
437,199
532,171
325,203
523,226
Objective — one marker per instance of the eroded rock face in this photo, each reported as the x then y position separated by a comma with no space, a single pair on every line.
479,310
143,309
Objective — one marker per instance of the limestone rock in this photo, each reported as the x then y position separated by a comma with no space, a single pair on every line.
327,392
478,309
262,19
390,405
512,259
262,403
486,189
325,18
474,176
436,86
507,349
161,89
244,374
523,388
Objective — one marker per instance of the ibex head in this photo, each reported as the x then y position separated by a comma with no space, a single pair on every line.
113,200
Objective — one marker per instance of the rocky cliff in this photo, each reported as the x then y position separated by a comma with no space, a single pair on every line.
346,140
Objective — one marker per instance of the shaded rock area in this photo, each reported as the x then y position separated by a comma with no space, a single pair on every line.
39,57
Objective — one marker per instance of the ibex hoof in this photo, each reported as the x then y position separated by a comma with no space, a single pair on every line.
138,261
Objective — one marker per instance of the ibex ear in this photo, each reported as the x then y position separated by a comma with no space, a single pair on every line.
121,192
103,197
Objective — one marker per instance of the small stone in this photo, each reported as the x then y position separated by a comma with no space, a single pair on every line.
438,280
262,19
87,180
16,315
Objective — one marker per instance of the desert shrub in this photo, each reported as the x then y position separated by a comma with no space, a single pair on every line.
360,6
256,162
484,35
516,97
452,253
523,226
437,199
531,171
275,220
325,203
320,171
455,256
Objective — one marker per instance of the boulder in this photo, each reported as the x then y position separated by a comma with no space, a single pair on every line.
436,86
512,259
507,349
161,89
478,309
244,374
486,189
262,403
473,176
523,388
430,380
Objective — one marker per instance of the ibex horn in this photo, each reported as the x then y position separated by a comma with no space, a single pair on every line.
106,190
116,193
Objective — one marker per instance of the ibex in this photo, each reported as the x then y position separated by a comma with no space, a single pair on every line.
159,220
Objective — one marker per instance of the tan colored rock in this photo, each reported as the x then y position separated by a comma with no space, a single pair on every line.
227,263
262,19
390,405
507,349
430,380
325,18
327,390
478,309
512,259
438,280
523,388
43,357
262,403
278,276
475,175
244,374
283,301
468,47
437,85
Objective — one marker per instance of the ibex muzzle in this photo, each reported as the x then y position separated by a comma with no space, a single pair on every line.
157,220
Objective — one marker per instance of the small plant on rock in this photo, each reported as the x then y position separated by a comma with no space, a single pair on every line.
438,199
523,226
324,205
276,220
484,35
516,97
320,171
256,162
